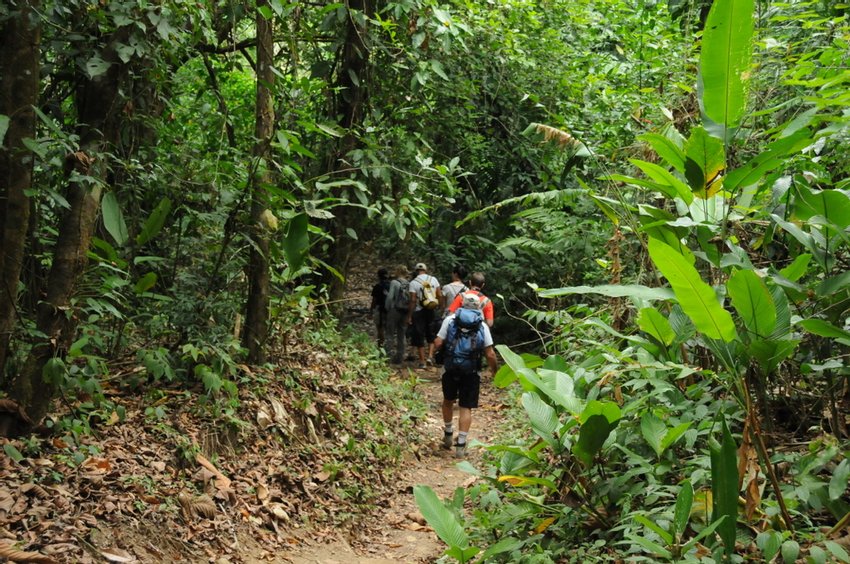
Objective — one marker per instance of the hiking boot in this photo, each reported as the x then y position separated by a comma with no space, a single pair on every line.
447,440
460,450
421,366
430,361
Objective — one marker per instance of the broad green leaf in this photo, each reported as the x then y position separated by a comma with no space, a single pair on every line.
611,291
12,452
544,420
666,149
769,543
695,296
790,551
145,283
833,285
752,300
664,181
96,66
296,243
840,479
154,222
837,550
651,321
113,219
673,435
556,362
724,69
506,544
597,421
440,517
651,546
834,205
645,521
653,430
4,127
704,163
770,352
775,156
724,485
682,510
823,328
797,268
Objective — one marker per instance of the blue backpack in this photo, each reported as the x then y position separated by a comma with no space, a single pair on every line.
464,342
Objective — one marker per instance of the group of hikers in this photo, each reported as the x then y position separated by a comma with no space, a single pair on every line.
447,325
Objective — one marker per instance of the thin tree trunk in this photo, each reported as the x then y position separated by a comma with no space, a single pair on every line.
20,38
257,309
98,113
352,83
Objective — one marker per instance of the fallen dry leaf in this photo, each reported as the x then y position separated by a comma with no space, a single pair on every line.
117,555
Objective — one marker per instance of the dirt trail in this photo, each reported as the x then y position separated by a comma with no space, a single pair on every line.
398,533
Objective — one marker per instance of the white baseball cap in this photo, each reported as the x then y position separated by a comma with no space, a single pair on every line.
420,266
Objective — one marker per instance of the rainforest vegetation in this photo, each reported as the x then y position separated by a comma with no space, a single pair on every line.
657,190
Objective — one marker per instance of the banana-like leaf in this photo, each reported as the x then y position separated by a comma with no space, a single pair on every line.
773,157
653,430
113,219
153,224
724,485
544,420
611,291
727,46
682,510
753,302
664,180
833,205
440,517
704,163
695,296
666,149
296,243
824,328
651,321
597,421
797,268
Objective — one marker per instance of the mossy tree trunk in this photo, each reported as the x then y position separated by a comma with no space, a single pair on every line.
20,38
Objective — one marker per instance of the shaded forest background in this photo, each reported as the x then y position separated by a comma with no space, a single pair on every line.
186,183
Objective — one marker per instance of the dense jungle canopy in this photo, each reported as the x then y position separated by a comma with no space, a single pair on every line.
657,190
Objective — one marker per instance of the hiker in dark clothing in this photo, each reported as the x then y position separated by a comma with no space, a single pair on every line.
378,305
396,305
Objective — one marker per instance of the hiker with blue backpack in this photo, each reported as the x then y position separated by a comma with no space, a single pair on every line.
397,305
464,338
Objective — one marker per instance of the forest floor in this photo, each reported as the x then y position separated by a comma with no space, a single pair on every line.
399,533
171,479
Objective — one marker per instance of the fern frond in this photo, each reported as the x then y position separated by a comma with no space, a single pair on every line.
548,196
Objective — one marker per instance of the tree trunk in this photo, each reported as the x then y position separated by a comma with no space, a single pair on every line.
352,84
257,309
20,38
98,113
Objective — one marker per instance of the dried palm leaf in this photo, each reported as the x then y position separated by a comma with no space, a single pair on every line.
562,138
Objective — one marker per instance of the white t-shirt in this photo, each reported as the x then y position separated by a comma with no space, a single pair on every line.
449,291
444,331
416,286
